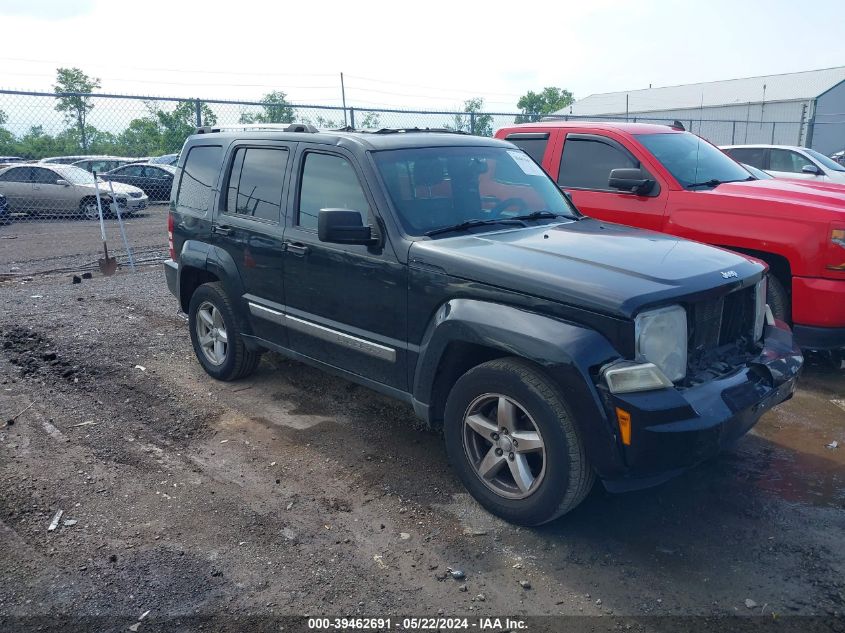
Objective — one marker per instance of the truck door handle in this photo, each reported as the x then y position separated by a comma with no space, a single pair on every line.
221,230
297,248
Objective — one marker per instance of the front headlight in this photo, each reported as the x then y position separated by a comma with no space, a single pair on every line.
662,340
759,308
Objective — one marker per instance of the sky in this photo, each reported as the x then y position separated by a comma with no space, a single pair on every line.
431,55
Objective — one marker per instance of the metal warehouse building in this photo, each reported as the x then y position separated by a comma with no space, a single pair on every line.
804,108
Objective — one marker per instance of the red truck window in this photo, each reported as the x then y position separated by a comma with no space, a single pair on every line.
586,163
532,143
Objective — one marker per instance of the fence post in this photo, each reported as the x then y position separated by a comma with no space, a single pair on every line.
733,132
351,117
774,123
199,113
472,122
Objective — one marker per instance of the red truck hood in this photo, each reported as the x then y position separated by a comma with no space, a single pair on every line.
821,195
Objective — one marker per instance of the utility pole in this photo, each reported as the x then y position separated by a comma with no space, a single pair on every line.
343,96
626,106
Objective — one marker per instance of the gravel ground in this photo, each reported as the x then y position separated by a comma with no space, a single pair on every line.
39,245
294,492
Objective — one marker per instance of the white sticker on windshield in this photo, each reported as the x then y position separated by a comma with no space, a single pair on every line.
527,165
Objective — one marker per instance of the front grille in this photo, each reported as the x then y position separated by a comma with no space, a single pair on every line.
135,194
720,333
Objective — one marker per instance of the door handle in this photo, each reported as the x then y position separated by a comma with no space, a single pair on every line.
297,248
221,230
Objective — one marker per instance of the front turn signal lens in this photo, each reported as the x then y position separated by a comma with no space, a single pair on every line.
624,419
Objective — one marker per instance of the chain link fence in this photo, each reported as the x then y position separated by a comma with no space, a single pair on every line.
52,144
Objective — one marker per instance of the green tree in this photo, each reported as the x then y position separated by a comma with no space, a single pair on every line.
180,123
7,139
371,121
535,104
276,110
142,137
474,121
75,107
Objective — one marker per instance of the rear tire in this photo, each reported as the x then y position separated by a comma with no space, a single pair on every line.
216,337
559,472
778,299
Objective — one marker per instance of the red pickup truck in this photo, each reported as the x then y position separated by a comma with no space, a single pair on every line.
665,179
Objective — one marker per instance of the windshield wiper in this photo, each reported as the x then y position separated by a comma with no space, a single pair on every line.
714,182
469,224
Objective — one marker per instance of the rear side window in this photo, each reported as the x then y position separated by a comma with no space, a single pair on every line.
255,182
754,156
44,176
328,182
586,163
198,177
533,144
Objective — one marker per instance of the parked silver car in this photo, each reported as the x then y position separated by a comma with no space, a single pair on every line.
50,189
100,165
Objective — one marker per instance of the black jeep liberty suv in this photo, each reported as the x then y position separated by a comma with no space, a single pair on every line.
450,272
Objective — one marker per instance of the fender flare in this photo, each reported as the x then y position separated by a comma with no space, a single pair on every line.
213,259
565,350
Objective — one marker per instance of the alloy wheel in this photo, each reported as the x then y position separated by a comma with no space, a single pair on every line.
211,333
504,446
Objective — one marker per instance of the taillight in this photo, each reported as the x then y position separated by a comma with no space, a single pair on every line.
170,237
836,261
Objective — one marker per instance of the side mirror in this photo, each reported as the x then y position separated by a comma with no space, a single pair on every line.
62,182
811,169
343,226
630,179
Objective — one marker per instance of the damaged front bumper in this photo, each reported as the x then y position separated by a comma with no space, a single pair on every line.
676,428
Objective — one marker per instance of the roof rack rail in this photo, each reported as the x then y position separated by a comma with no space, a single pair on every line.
251,127
405,130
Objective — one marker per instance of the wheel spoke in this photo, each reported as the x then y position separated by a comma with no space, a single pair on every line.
219,350
216,318
521,472
221,334
206,318
481,425
491,464
527,441
506,414
206,341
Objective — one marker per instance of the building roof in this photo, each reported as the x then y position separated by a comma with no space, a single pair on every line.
788,87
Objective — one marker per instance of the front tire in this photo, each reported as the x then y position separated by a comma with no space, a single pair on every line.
88,209
778,299
512,440
217,342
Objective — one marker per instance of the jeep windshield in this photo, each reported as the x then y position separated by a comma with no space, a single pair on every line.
437,190
693,162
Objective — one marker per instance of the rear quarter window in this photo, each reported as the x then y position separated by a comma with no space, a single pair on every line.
198,177
533,144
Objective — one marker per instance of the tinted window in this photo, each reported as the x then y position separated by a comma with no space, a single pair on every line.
328,182
786,160
586,164
755,156
132,170
44,176
533,145
17,174
255,183
199,176
693,162
154,172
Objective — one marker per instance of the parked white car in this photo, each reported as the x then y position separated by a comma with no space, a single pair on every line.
788,161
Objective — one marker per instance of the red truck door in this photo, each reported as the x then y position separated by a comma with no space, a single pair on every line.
583,171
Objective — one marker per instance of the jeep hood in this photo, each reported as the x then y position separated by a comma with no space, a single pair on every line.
603,267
